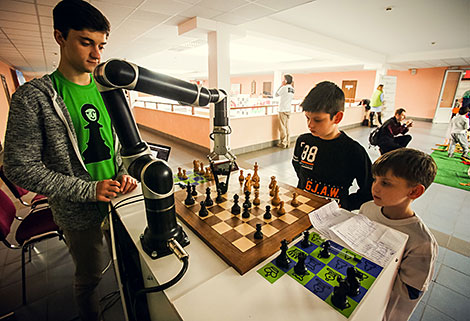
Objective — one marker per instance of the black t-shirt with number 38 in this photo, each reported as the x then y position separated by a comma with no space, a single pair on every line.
328,168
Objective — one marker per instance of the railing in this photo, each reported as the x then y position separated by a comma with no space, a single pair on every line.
245,111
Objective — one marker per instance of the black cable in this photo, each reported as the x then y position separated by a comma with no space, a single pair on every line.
128,203
127,198
161,287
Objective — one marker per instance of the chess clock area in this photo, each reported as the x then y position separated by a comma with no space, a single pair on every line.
228,282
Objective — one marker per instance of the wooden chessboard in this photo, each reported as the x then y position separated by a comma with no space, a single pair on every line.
231,236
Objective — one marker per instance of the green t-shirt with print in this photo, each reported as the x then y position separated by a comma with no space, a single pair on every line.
92,125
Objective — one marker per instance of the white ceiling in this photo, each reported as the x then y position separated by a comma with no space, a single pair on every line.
268,35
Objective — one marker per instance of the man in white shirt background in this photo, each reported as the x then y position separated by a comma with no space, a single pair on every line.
286,93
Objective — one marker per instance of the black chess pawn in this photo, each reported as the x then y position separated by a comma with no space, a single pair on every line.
300,268
203,211
258,234
339,297
208,201
193,190
267,215
247,199
189,198
352,280
235,208
219,199
305,242
283,260
325,253
246,211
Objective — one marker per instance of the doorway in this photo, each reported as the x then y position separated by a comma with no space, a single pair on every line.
447,96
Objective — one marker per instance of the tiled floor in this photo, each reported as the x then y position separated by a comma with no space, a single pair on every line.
444,209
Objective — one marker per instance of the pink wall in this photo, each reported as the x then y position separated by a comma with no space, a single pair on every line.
365,81
4,106
419,93
245,81
304,82
190,128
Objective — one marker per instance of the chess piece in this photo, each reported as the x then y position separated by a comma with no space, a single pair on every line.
256,201
219,199
184,176
294,201
189,197
247,186
201,168
210,174
247,199
276,200
195,166
273,178
203,211
207,174
281,210
235,208
193,192
300,268
271,192
283,260
256,184
241,178
305,242
325,253
352,280
258,234
267,215
255,173
246,211
339,297
208,201
180,173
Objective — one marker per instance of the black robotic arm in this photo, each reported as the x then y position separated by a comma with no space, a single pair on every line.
163,234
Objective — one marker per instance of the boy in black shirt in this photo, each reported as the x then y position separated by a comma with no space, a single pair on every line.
326,160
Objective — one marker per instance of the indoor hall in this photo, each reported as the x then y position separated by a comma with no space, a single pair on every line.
246,47
50,272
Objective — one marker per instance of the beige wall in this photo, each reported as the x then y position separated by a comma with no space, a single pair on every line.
4,107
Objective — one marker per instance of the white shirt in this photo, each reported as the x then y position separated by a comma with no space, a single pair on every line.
459,124
286,93
417,265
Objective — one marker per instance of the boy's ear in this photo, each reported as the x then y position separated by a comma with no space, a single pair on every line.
338,117
58,37
416,191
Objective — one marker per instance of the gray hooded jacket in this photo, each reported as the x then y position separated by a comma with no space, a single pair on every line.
42,155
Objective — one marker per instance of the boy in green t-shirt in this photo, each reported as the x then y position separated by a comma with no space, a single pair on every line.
60,143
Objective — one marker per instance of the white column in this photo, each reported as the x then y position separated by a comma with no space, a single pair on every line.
278,78
219,65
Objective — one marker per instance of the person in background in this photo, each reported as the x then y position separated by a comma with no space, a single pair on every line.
376,102
366,104
400,177
458,133
455,109
326,160
392,132
286,93
60,143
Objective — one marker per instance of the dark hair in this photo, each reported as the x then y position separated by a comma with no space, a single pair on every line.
78,15
288,79
463,110
400,111
325,97
410,164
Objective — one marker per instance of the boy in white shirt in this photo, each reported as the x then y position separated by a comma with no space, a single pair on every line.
401,176
458,133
